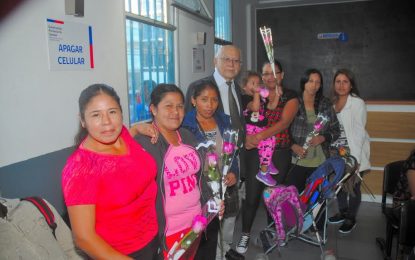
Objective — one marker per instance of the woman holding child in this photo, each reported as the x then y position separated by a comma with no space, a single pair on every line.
279,119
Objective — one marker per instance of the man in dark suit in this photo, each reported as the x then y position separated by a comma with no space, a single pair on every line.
227,67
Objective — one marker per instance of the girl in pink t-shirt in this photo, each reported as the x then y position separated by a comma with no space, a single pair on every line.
109,184
182,188
182,194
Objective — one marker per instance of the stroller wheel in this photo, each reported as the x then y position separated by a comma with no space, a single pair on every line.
261,257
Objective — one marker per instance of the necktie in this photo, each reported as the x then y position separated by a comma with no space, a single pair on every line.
233,110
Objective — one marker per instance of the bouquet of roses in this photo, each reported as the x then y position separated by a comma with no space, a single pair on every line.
230,140
319,124
186,244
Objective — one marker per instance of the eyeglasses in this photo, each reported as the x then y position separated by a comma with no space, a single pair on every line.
229,60
267,74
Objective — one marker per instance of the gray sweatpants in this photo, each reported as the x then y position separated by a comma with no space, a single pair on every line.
228,226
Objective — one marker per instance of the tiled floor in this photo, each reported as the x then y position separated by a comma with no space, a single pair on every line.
358,245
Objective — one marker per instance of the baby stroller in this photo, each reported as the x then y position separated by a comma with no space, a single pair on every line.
304,216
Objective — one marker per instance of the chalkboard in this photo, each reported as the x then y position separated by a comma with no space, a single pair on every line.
380,49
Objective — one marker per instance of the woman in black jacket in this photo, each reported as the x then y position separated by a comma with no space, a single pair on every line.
182,188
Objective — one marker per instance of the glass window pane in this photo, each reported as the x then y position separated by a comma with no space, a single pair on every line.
154,9
195,7
223,20
149,62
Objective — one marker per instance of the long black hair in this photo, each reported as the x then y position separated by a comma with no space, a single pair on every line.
204,84
161,90
277,64
84,99
319,94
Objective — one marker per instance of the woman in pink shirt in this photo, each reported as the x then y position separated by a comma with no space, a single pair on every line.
182,187
109,184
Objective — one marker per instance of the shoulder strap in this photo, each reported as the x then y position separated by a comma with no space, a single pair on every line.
43,207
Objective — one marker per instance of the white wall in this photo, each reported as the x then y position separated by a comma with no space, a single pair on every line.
188,25
38,107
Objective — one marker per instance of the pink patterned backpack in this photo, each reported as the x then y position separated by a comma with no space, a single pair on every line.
285,208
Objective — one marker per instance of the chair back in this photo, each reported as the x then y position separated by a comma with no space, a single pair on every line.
391,174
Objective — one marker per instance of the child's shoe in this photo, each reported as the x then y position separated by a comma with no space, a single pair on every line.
266,178
272,169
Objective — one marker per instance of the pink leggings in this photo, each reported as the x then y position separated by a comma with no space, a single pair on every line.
265,147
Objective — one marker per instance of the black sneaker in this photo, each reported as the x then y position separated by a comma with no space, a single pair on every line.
347,226
337,219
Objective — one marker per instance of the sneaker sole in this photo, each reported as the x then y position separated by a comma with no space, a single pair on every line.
348,231
261,180
274,173
241,251
335,222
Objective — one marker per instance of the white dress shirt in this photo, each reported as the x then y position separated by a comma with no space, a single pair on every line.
223,90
